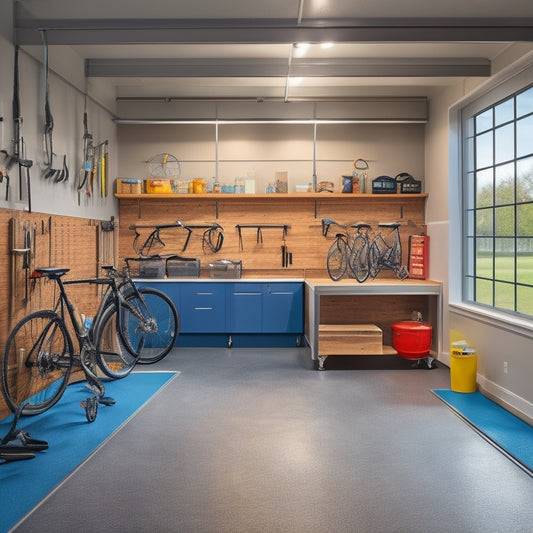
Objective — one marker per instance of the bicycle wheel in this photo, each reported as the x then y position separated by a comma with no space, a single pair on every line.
359,258
374,260
152,336
37,363
112,355
337,263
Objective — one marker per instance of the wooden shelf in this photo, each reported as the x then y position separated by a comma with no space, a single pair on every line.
273,196
349,339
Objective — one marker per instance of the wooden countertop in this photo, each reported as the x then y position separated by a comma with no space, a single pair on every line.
376,286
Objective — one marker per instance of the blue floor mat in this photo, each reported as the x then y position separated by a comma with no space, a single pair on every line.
71,439
507,432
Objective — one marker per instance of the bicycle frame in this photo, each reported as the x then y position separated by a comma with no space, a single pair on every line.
119,296
85,341
383,255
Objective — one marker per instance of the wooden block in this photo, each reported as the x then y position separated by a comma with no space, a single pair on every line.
349,339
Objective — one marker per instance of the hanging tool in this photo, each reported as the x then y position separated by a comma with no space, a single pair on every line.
58,174
13,279
5,176
286,256
88,157
18,141
105,170
49,171
26,258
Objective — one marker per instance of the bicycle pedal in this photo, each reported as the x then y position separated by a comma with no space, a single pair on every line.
107,400
91,408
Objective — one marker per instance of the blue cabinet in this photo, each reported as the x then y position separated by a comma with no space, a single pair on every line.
264,307
251,313
203,308
244,307
282,308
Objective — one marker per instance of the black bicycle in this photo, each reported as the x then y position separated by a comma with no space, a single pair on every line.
39,353
347,252
385,252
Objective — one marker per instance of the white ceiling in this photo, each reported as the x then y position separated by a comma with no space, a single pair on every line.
244,49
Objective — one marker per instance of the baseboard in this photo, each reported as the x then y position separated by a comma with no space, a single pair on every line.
507,399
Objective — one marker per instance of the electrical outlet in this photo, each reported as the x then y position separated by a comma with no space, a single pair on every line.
505,367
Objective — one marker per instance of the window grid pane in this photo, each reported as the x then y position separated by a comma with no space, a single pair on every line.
498,205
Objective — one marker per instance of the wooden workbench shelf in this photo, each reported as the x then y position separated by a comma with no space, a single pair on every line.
349,339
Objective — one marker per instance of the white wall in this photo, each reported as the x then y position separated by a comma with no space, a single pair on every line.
494,339
260,150
67,105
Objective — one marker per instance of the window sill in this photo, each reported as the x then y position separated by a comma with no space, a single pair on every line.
518,325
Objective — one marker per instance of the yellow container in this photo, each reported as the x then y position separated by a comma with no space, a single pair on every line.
463,370
158,187
199,186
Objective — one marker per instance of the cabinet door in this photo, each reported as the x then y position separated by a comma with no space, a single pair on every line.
283,308
244,307
203,308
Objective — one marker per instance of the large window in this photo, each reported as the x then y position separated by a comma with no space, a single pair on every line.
498,204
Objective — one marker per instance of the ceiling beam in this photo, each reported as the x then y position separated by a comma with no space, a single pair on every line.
264,68
176,31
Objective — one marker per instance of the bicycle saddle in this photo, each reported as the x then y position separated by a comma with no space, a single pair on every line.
360,225
52,272
389,224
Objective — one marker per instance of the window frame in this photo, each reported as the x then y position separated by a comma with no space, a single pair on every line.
501,91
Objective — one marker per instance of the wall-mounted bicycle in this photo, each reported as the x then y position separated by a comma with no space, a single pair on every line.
362,255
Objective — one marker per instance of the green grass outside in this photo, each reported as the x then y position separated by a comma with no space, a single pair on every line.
503,271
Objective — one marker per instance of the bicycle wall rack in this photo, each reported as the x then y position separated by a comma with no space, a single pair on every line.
259,228
154,235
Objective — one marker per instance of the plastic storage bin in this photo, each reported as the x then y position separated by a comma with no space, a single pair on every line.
225,269
463,369
182,267
146,267
411,339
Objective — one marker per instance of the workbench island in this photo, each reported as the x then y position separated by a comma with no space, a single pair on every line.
349,318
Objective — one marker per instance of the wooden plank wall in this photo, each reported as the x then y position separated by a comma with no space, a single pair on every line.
304,239
75,243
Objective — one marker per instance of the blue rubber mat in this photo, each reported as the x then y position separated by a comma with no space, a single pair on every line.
507,432
71,439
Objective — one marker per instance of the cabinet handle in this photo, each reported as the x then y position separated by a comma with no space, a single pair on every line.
246,293
203,308
204,294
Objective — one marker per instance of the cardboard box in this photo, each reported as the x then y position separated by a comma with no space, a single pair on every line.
282,182
128,186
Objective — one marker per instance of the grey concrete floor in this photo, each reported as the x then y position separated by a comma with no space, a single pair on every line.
257,440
